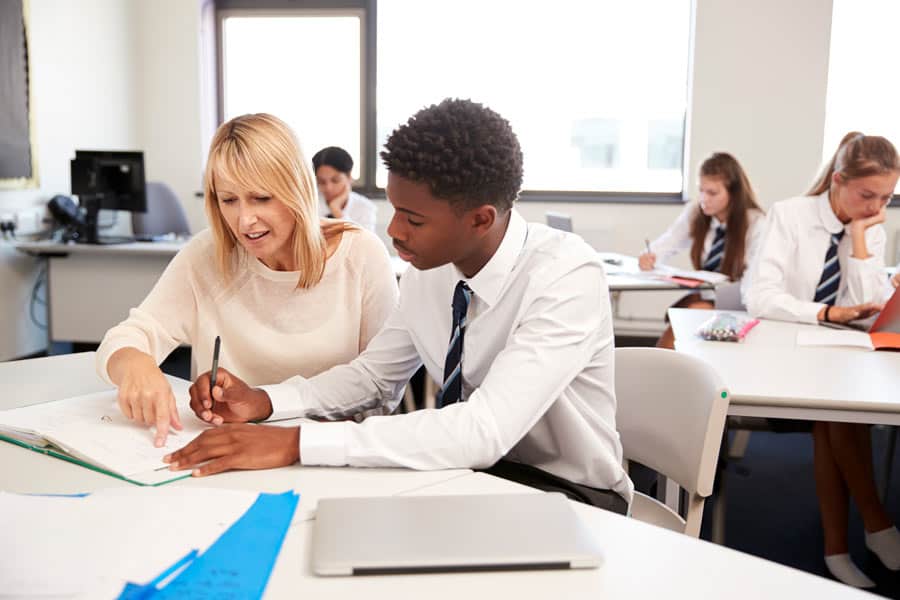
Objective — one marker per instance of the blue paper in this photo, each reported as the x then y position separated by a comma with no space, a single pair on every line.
237,565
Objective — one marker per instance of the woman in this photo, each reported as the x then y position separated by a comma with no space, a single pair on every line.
721,230
332,166
287,293
821,259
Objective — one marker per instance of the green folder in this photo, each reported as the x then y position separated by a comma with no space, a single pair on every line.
57,453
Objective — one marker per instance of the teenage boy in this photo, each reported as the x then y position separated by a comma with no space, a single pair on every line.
513,317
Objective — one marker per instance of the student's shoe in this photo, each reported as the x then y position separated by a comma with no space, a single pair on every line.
885,544
845,570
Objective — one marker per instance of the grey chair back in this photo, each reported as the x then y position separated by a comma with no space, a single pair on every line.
164,213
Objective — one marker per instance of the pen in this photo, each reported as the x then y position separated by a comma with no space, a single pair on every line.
212,373
647,245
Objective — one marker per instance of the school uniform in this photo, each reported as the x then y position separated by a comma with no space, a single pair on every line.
677,238
535,380
359,210
789,266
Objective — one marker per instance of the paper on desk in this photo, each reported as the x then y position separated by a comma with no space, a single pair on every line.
89,547
834,337
92,428
706,276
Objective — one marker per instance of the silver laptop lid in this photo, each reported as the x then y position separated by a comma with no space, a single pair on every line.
560,221
422,534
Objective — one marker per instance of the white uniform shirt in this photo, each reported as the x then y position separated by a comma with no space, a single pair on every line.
359,210
537,371
782,283
677,238
270,329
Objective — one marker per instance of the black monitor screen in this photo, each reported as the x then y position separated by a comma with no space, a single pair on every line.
114,179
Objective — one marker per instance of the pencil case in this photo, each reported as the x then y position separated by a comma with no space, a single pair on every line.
726,327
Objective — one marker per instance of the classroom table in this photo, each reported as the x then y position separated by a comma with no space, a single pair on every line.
641,560
769,375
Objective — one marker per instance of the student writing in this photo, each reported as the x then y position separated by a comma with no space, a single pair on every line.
512,317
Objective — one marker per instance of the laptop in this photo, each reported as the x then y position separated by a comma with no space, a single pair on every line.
888,320
560,221
441,534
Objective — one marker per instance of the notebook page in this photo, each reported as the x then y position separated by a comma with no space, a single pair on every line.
92,428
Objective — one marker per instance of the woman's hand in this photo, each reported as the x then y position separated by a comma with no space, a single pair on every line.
845,314
647,261
145,395
895,280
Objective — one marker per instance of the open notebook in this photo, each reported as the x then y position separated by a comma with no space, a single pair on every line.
91,431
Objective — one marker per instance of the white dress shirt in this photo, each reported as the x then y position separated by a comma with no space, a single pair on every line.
677,238
359,210
537,371
782,283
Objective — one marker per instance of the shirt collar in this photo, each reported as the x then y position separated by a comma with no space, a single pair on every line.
489,281
829,220
716,223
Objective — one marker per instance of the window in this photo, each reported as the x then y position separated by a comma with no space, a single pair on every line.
595,89
862,87
303,67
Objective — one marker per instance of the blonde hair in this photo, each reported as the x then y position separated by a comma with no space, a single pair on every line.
858,155
260,150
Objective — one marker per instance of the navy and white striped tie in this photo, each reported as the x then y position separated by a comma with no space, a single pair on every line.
451,390
826,291
713,260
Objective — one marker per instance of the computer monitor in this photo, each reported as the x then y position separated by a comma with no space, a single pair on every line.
110,180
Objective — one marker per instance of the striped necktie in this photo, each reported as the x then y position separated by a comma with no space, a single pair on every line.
451,390
714,257
826,291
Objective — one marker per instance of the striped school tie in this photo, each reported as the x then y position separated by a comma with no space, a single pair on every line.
451,390
714,257
826,291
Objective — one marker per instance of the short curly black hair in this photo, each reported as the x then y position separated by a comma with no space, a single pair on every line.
466,153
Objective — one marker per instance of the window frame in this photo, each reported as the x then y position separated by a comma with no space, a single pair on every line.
367,11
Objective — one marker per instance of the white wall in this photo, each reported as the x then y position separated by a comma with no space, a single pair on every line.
169,89
84,95
118,74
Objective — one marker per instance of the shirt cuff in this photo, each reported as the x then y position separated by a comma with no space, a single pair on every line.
813,315
324,444
104,353
285,401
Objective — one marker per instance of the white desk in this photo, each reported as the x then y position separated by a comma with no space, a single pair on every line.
768,375
624,275
91,288
642,561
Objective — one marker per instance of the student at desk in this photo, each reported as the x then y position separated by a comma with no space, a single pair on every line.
286,291
513,317
721,229
822,259
332,166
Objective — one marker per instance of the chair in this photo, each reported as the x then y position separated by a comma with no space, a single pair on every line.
671,417
164,213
